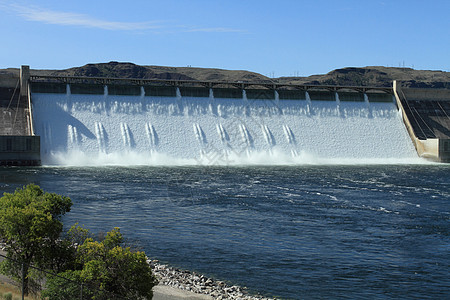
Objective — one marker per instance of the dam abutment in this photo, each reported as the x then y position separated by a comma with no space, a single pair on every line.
18,144
426,114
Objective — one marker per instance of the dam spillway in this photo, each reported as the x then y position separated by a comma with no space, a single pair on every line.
103,125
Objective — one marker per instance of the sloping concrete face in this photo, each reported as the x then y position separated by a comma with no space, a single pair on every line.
13,112
426,114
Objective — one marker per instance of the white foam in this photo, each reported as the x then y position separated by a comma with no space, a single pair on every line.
142,130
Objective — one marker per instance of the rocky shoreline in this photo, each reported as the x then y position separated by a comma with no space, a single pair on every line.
197,283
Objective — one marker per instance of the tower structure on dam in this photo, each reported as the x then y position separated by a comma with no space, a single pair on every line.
18,144
426,114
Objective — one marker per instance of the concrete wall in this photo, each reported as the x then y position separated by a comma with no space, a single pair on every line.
429,149
322,95
194,92
24,80
444,150
227,93
160,91
18,145
260,94
291,94
351,96
8,81
13,112
48,87
436,149
20,150
426,94
88,89
380,97
129,90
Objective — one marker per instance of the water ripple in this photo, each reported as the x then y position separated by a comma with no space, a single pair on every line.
317,231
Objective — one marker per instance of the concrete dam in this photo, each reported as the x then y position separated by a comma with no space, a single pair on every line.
106,121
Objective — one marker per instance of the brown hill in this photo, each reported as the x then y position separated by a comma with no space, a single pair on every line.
130,70
376,76
367,76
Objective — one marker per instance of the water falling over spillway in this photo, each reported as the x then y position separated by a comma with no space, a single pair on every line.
78,129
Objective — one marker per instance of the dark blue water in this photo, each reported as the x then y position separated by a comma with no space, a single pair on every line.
292,232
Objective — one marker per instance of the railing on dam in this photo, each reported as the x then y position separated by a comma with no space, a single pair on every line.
208,84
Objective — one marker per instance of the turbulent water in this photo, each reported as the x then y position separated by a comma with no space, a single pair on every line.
292,232
133,130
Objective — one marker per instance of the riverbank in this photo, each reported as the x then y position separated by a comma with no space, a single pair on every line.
164,292
184,284
175,284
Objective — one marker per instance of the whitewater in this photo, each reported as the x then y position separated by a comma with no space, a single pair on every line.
94,130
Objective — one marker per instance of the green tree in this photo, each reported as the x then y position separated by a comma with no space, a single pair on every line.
30,225
61,255
107,271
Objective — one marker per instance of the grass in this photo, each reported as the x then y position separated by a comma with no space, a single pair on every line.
12,292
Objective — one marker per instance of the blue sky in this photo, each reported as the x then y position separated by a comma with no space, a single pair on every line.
274,38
